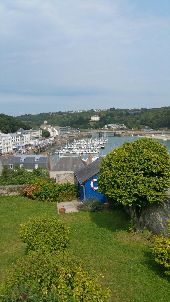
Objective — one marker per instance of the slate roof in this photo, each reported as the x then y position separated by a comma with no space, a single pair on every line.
27,161
69,163
88,171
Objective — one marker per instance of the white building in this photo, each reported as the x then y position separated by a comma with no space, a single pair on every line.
5,143
22,138
95,118
35,134
54,131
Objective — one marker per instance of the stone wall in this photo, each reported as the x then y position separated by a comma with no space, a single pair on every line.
11,190
63,176
154,217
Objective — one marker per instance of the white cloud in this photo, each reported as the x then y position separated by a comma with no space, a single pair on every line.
101,45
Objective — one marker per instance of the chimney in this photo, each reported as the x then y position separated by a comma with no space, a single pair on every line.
89,159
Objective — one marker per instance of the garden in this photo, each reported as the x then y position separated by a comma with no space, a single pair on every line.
120,259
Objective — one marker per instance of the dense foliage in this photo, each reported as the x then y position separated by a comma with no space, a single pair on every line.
44,234
11,124
161,251
51,191
20,176
57,276
137,173
45,133
132,118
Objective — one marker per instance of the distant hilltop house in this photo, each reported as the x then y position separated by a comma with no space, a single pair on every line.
95,118
87,180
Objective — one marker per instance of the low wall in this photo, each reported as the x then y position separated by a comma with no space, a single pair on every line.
11,190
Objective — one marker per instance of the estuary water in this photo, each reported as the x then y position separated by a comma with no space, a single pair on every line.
114,142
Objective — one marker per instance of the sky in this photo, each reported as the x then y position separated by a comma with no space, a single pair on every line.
60,55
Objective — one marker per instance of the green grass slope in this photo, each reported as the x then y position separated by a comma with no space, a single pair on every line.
101,240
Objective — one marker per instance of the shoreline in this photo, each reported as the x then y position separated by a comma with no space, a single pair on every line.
157,136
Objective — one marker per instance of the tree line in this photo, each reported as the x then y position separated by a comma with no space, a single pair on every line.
10,124
155,118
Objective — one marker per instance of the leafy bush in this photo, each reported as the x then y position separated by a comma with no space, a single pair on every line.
31,191
161,251
136,174
50,191
45,234
91,205
57,276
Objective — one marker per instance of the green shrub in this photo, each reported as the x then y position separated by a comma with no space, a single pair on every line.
31,190
45,234
161,251
20,176
136,174
91,205
50,191
57,276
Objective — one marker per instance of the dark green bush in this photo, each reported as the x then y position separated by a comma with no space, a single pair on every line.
57,276
50,191
45,234
91,205
136,174
161,251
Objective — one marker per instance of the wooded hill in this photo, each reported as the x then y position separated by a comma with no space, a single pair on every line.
11,124
154,118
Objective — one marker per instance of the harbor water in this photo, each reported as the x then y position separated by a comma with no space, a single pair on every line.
109,143
114,142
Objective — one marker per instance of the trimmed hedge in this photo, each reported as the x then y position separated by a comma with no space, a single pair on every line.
45,234
57,276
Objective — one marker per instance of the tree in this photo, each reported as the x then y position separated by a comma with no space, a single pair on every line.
45,133
136,174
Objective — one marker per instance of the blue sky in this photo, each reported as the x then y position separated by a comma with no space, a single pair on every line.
82,54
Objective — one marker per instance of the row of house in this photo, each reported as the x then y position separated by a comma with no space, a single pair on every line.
66,169
13,141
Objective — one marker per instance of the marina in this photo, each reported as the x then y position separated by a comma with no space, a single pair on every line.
83,147
98,146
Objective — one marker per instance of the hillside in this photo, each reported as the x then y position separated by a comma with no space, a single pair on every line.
133,118
100,240
11,124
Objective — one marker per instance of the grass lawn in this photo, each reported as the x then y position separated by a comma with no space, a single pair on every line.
101,240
